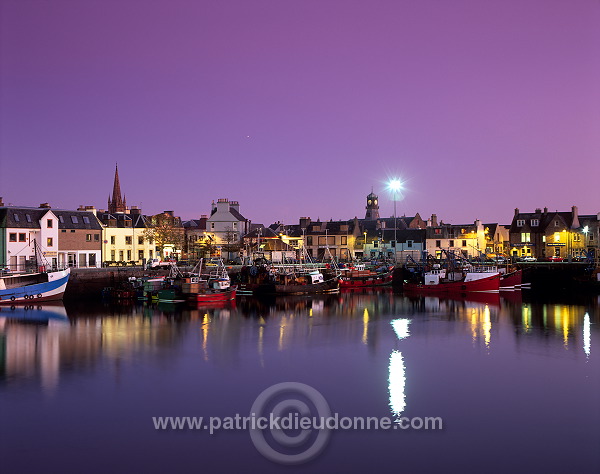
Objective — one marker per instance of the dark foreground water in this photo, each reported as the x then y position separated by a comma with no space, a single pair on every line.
515,381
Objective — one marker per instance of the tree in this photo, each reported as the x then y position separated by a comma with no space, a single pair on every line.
232,242
166,231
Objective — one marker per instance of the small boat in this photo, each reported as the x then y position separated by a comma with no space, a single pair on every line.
297,283
440,281
358,276
212,295
30,288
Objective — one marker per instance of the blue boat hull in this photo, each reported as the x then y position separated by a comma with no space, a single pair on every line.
33,288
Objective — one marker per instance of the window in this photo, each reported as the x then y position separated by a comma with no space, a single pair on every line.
72,231
16,216
28,217
556,236
309,240
88,237
464,243
591,237
535,222
140,240
452,243
212,226
112,240
86,219
556,224
437,231
60,218
438,243
128,239
74,220
150,253
96,237
22,237
409,243
150,240
520,222
64,231
525,237
12,237
344,240
49,242
129,255
140,254
112,255
49,224
576,237
235,225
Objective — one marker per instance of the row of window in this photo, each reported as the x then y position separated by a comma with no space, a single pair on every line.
535,223
50,222
125,255
526,237
129,240
438,243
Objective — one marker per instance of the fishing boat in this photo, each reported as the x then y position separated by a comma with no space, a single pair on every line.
511,280
358,276
30,288
277,281
439,281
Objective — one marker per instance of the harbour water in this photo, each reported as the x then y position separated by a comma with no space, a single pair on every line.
515,380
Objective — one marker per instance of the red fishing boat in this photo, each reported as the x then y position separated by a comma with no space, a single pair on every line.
439,281
358,277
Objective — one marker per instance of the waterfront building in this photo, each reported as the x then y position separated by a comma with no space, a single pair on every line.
124,237
465,240
226,226
543,234
64,237
197,243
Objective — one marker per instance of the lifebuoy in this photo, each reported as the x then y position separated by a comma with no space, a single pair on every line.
12,298
39,295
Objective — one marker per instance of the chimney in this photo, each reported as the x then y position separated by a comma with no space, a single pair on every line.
574,217
235,205
304,222
538,211
516,211
545,210
1,202
434,221
44,205
223,205
135,211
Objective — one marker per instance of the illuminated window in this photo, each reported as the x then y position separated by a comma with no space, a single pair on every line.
49,242
525,237
438,231
88,237
556,236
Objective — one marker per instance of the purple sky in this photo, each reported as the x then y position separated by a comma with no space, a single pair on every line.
299,108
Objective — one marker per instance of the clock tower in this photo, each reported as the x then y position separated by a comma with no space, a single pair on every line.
372,207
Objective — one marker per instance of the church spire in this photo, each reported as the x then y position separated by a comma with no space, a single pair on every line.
117,203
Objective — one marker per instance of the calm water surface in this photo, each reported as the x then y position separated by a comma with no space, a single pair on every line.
515,380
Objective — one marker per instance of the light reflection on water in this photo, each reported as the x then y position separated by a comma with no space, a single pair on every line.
369,353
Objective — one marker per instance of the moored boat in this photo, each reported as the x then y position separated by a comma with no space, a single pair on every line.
28,288
440,281
358,277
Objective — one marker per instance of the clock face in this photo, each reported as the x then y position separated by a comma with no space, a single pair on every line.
369,202
375,202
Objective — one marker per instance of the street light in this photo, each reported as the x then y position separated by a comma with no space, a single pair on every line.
395,185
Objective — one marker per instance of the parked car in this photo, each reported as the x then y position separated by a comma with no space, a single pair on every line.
157,263
554,258
500,259
528,258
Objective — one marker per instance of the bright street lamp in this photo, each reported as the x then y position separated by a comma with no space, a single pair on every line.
395,185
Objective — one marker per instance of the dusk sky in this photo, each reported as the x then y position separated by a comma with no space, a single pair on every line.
299,108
